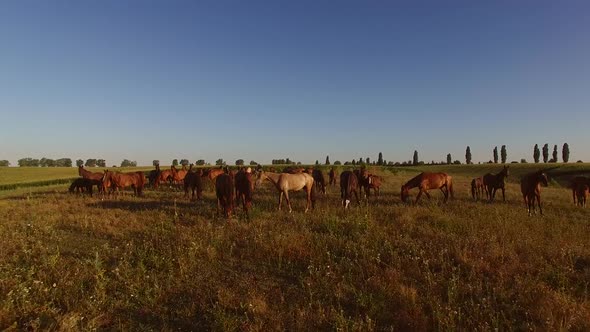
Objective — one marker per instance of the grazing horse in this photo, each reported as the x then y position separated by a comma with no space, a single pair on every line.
224,189
348,185
193,181
426,181
582,193
576,182
333,175
493,182
244,188
369,181
319,180
530,186
81,185
284,182
477,188
118,181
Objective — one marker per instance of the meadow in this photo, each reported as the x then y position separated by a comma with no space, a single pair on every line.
161,262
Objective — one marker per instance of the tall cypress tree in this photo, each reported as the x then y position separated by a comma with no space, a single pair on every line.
545,153
536,153
449,159
554,159
415,158
467,155
503,154
565,152
495,155
380,159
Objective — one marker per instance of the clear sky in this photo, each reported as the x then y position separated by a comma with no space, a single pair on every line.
257,80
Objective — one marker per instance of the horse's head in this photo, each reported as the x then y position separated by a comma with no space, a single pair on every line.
80,169
543,179
260,176
405,194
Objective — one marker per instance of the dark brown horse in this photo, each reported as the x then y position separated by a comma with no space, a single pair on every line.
224,189
477,188
427,181
348,185
153,176
319,180
582,190
333,175
118,181
244,188
530,186
575,183
193,181
81,185
493,182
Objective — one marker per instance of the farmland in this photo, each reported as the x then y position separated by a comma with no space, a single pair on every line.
160,262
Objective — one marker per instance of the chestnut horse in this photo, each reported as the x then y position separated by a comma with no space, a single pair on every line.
94,176
212,174
178,175
224,190
477,188
369,181
285,182
244,188
427,181
333,175
530,186
348,185
193,181
576,182
118,181
493,182
165,176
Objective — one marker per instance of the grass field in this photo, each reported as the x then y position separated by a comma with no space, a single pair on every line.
163,263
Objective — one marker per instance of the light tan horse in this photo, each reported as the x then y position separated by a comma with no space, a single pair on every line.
427,181
285,182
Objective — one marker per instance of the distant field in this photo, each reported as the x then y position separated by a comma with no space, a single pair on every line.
161,262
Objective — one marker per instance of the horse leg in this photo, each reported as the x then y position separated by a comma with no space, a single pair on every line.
418,196
289,201
308,199
280,200
503,194
539,203
574,194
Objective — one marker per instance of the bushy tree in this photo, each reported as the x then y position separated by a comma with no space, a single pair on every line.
184,162
63,162
468,155
368,161
253,163
155,162
219,162
565,153
240,162
536,153
503,154
200,162
175,162
90,163
128,163
4,163
79,162
317,162
545,153
337,162
101,163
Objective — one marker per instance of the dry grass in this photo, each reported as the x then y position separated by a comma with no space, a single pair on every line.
163,263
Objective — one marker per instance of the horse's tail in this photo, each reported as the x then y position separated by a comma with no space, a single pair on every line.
450,186
473,188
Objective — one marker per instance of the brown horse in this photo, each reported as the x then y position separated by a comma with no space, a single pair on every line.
477,188
95,176
333,175
224,190
582,193
576,182
493,182
244,188
153,175
117,181
193,181
178,175
319,180
213,173
348,185
165,176
369,181
285,182
530,186
427,181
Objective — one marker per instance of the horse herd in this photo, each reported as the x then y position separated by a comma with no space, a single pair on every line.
238,185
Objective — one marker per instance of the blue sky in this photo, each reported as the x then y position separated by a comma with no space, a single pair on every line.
257,80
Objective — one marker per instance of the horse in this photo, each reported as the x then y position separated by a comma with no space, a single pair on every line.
244,188
95,176
224,190
319,180
530,186
213,173
165,176
293,170
333,175
426,181
81,185
118,181
348,185
369,181
284,182
178,175
193,181
493,182
153,175
582,193
477,188
577,181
